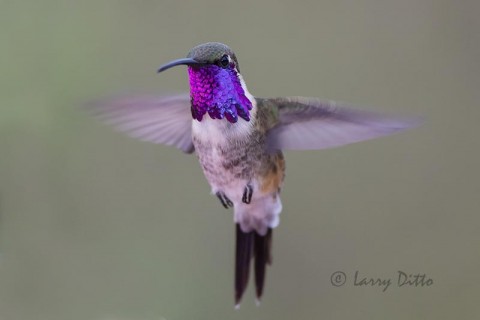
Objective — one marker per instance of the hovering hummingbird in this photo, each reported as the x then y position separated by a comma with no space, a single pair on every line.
239,138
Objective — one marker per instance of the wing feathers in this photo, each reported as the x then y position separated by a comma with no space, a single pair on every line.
165,120
309,123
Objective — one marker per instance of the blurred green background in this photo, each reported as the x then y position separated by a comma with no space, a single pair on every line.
95,225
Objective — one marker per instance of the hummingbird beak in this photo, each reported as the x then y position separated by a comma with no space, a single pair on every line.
184,61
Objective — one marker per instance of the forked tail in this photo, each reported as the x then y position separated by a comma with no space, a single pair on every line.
251,245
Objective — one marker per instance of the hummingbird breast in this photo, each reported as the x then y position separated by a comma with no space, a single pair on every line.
230,154
233,155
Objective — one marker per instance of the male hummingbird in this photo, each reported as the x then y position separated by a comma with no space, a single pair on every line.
239,138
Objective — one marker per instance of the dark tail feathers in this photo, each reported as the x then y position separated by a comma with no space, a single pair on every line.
249,245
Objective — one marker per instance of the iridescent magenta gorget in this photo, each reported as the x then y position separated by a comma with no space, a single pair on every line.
217,91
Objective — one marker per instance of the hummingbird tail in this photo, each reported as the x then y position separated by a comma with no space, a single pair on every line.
251,244
263,246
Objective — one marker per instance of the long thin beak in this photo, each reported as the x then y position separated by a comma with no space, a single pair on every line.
184,61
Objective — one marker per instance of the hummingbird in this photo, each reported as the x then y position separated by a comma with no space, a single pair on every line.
238,139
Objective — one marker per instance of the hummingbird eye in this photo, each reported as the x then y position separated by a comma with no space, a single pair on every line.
224,61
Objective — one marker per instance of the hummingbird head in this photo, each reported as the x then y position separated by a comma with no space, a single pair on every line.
216,85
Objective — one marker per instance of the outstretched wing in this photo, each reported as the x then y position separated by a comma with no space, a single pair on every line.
165,120
310,123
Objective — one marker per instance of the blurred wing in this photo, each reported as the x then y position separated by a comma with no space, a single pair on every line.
165,120
309,123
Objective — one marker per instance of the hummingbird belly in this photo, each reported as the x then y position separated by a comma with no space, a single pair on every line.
230,163
228,169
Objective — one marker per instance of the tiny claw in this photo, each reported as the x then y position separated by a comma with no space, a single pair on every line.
226,203
247,194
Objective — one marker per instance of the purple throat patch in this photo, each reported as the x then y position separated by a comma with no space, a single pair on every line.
218,92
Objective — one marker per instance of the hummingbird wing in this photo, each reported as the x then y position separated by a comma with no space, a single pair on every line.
311,123
158,119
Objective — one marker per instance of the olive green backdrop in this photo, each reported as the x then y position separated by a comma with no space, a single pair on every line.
95,225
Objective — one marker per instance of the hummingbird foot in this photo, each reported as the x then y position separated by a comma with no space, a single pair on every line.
247,194
227,203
